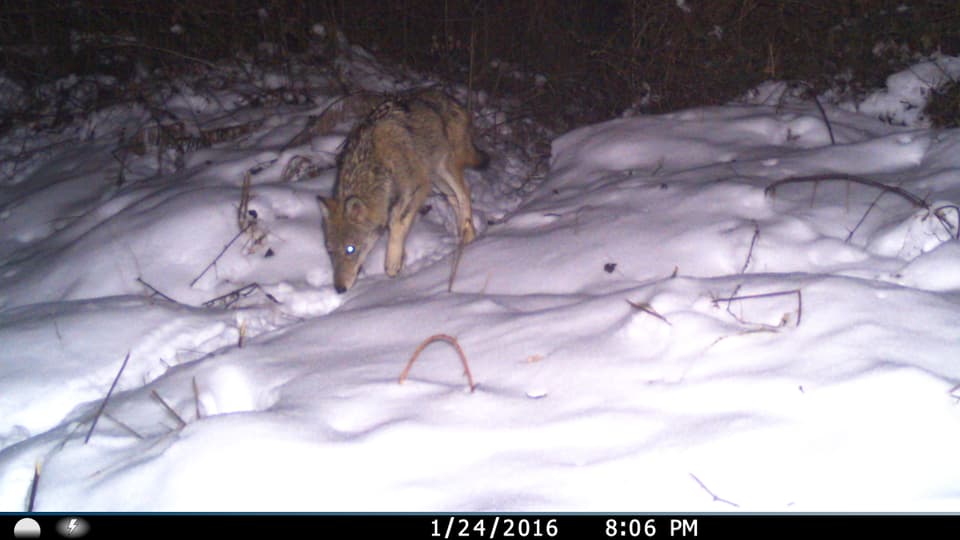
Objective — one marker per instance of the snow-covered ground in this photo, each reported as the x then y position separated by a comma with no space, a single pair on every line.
649,329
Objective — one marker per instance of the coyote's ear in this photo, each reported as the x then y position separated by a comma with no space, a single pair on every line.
327,206
355,209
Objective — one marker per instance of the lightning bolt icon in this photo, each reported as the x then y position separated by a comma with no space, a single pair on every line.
72,526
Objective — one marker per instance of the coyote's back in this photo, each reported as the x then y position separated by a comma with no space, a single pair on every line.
386,169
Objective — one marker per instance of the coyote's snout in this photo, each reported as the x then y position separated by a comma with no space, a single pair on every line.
385,173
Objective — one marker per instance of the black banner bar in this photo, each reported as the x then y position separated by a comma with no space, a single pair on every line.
479,526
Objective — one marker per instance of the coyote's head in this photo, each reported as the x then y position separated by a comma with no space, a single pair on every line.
349,234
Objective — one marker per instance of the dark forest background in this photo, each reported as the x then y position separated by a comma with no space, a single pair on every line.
596,57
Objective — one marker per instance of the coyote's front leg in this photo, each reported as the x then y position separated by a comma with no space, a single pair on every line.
401,218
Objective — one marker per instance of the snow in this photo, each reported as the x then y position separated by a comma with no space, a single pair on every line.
907,92
649,328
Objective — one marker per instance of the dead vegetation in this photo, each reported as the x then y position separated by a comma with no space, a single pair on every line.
447,339
640,55
939,213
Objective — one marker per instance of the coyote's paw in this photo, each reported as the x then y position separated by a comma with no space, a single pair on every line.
393,267
467,233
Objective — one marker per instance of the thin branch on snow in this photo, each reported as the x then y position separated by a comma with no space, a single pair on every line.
885,188
811,91
797,292
864,216
943,219
647,308
134,44
844,177
222,251
826,121
753,243
169,409
439,337
156,292
103,405
196,398
234,296
123,425
712,494
33,487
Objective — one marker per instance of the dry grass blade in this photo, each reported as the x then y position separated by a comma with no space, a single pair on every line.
647,308
103,405
33,487
123,425
439,337
169,409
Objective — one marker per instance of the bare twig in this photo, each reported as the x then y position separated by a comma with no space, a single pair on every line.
885,188
222,251
716,301
196,398
169,409
120,155
747,332
810,91
156,292
440,337
127,428
753,243
864,216
103,404
235,295
171,52
844,177
647,308
943,219
33,487
243,211
712,494
247,220
736,290
823,113
471,66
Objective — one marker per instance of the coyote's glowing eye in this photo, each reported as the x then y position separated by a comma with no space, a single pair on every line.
350,250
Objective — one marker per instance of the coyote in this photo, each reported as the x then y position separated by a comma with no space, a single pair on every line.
386,169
